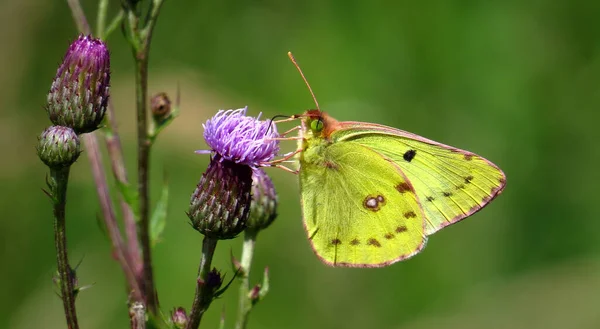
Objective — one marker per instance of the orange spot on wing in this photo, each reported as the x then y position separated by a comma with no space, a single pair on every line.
403,187
373,242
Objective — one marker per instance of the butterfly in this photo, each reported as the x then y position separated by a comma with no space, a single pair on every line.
372,194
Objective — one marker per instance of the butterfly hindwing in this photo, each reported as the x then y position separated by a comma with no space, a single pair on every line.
450,183
359,209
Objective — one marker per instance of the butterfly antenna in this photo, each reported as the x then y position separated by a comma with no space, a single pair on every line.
273,119
304,78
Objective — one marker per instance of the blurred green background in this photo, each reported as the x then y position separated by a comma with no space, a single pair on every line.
515,81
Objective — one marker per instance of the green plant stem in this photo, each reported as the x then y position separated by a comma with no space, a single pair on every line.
101,18
114,24
60,180
143,178
141,48
245,304
203,296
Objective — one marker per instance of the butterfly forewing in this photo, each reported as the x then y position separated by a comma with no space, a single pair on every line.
450,184
359,209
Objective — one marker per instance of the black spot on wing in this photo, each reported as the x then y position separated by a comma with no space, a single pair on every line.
409,155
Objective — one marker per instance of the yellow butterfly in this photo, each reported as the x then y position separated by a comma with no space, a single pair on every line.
372,194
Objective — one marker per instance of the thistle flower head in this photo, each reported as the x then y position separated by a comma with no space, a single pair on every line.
79,93
58,147
240,138
220,204
263,208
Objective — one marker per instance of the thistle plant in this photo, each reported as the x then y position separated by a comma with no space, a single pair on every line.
234,195
221,203
76,104
59,148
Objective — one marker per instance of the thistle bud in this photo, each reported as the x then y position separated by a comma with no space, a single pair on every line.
58,147
263,208
179,318
160,105
220,204
79,93
214,280
254,294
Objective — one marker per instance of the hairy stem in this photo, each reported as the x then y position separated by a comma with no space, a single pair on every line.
143,178
101,18
141,54
115,153
203,296
79,16
108,214
60,180
245,304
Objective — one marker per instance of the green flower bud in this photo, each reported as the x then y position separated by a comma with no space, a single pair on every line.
58,147
79,93
220,204
263,208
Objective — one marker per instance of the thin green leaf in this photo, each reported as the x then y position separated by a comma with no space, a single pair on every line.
130,196
158,220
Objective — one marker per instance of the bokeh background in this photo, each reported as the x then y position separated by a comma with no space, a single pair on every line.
515,81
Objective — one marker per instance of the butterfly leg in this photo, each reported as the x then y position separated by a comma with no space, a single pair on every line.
295,172
292,118
291,130
284,138
285,157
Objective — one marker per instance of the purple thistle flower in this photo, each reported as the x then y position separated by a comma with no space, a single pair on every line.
80,90
240,138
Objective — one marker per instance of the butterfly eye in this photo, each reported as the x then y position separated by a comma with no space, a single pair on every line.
316,125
